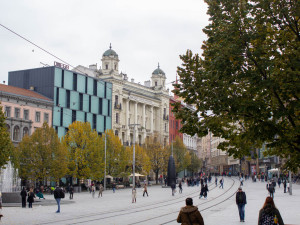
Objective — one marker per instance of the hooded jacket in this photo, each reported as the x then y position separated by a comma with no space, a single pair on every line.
268,212
191,212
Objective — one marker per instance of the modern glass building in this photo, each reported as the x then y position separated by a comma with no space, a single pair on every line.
76,97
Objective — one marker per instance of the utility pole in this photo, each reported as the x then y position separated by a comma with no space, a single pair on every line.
105,162
290,180
133,156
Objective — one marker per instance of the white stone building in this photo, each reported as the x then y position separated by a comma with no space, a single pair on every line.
134,103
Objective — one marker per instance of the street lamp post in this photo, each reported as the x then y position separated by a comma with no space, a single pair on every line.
133,155
105,162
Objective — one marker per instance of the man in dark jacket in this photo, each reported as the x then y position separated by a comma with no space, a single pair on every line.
58,195
190,214
23,195
241,201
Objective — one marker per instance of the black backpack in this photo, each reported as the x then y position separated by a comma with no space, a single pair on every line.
267,219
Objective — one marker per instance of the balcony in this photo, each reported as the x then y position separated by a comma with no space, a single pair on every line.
118,106
166,117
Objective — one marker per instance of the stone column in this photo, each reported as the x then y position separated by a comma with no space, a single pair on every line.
135,122
144,122
127,132
151,119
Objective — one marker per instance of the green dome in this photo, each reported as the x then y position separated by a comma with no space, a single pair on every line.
110,52
158,71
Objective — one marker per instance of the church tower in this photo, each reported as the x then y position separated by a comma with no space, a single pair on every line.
110,62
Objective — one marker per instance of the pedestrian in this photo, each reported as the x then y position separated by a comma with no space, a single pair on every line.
71,190
271,190
30,198
93,191
58,195
114,187
190,214
216,181
284,186
288,186
241,181
204,191
173,187
100,190
221,183
279,182
241,201
269,214
145,190
23,196
0,205
133,195
180,187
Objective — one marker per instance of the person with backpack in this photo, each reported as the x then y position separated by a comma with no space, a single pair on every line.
58,195
271,190
190,214
269,214
23,195
204,191
241,201
30,198
180,187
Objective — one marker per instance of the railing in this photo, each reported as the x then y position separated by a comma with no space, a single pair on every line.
166,117
123,126
118,106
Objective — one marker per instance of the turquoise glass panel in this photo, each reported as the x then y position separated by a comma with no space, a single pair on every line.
62,97
54,99
108,90
74,101
68,80
89,118
108,123
56,116
90,86
81,83
104,107
95,104
100,89
60,132
80,116
85,103
67,117
57,77
100,124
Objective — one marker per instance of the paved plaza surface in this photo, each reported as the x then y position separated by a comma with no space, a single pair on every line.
159,208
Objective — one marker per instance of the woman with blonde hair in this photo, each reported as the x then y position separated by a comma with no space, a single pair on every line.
269,214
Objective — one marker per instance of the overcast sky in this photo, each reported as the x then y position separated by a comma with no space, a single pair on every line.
142,33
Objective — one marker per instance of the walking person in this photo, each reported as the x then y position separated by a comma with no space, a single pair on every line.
133,195
241,201
0,205
23,196
58,195
221,183
100,190
269,214
173,187
30,198
93,191
145,190
271,190
279,182
180,187
204,191
190,214
71,190
284,186
114,187
216,181
241,181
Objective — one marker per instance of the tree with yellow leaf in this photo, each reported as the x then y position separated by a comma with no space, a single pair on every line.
85,151
142,160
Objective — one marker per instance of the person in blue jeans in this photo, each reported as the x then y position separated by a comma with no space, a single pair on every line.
241,201
58,195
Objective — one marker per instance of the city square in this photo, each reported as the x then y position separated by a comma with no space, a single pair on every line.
159,208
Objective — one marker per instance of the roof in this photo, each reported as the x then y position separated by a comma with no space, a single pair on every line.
110,52
159,71
22,91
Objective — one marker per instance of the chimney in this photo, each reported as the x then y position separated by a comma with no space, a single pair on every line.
132,80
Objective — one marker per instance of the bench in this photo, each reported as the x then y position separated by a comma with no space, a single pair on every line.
119,186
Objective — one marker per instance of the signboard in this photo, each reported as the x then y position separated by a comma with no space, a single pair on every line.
63,66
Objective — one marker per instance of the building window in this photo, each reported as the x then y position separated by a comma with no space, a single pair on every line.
106,66
16,135
46,117
17,113
26,114
80,101
68,99
100,106
165,127
37,116
116,99
25,131
8,129
7,111
115,66
117,118
176,125
116,133
155,83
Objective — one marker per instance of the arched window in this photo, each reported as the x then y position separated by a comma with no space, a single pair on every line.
8,129
16,136
25,131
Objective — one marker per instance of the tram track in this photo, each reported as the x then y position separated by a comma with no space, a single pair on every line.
120,212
